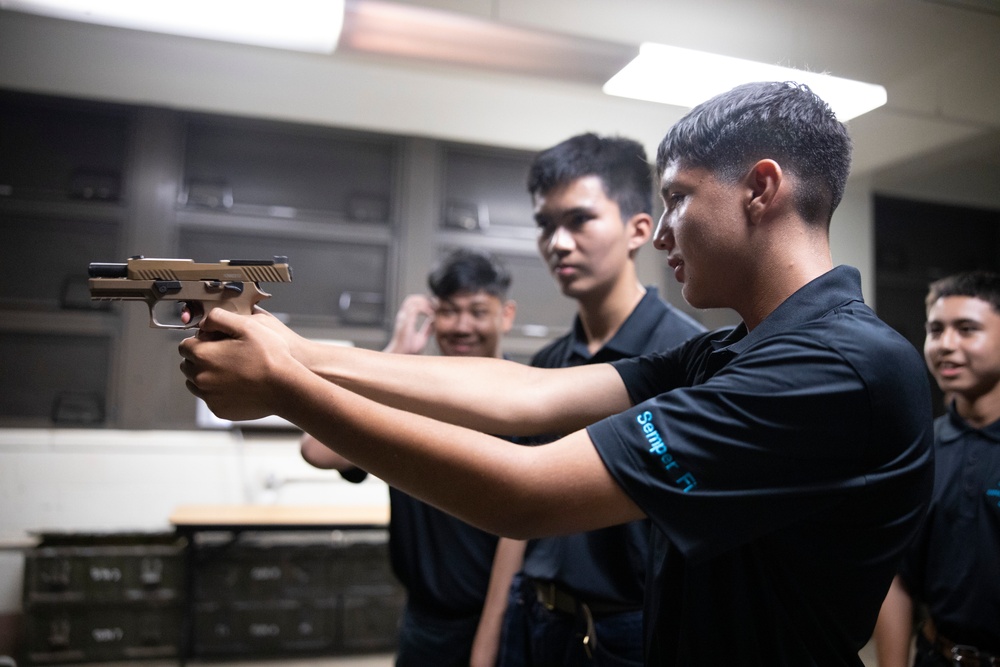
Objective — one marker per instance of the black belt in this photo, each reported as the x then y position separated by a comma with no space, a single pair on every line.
554,598
961,655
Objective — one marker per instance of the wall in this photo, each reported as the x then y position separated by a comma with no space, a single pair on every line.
104,481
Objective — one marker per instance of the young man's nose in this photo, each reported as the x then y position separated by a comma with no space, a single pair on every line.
560,241
948,339
464,321
663,237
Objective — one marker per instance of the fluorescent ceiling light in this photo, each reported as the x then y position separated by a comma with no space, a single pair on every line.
682,77
301,25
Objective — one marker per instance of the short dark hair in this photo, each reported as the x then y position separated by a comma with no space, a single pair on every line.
983,285
470,271
620,163
783,121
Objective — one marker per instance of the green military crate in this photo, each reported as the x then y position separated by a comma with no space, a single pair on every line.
66,633
257,571
369,618
103,597
131,567
287,593
277,627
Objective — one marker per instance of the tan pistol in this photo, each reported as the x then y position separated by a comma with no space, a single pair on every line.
232,284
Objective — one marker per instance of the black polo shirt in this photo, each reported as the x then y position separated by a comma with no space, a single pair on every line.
954,564
443,562
785,470
606,565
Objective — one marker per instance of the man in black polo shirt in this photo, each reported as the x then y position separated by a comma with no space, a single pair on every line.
444,564
785,463
953,567
578,598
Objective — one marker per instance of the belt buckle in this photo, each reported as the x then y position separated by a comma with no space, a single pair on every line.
546,594
964,655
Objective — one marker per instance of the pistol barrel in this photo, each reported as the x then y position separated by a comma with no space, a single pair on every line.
108,270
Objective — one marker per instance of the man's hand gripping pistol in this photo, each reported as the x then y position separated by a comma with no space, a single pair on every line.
231,284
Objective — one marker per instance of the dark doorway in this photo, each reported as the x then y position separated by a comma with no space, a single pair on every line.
918,242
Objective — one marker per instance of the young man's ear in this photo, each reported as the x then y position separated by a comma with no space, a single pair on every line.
508,315
640,227
763,183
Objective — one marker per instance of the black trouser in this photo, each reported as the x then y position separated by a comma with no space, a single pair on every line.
535,636
428,640
928,655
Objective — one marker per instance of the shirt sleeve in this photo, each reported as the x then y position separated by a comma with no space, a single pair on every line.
768,439
650,375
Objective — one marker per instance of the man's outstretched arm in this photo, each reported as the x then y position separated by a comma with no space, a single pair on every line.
894,627
562,487
489,395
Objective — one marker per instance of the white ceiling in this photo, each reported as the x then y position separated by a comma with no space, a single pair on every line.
526,73
938,59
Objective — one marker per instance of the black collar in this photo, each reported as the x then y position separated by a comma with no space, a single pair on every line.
954,427
632,336
834,289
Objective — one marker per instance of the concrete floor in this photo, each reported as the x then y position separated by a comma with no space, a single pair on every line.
379,660
340,661
372,660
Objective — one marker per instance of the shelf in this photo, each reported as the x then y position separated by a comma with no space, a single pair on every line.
311,227
485,191
257,166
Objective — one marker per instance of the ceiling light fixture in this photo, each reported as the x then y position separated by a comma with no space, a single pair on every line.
300,25
682,77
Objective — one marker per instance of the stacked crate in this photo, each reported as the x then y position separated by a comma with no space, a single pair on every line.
272,593
92,598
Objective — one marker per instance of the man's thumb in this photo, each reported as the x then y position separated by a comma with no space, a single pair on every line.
221,321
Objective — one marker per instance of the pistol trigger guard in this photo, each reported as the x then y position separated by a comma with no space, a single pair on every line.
196,312
153,324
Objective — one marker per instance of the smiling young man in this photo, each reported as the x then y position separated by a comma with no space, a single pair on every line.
784,464
951,568
578,598
444,564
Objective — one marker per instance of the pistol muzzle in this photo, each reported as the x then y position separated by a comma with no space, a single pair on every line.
108,270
